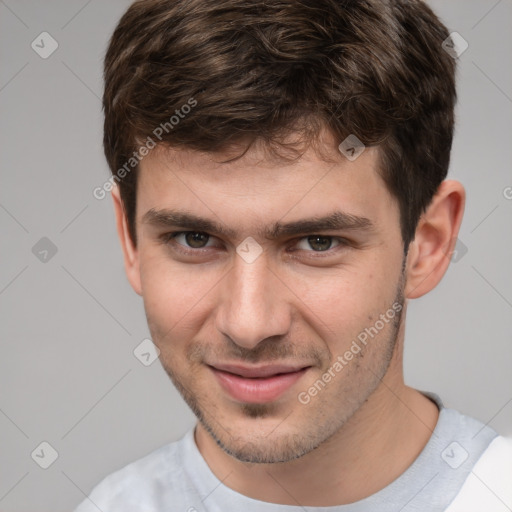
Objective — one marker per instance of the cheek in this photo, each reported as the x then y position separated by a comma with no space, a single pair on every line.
341,302
175,296
340,293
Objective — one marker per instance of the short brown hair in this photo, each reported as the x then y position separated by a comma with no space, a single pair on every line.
264,69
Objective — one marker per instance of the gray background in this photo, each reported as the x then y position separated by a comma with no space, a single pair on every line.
69,325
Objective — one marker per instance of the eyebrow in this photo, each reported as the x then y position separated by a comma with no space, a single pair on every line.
336,220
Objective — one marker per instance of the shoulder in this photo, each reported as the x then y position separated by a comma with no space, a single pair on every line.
488,486
144,482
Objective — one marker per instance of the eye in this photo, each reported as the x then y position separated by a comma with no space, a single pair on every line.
318,243
191,239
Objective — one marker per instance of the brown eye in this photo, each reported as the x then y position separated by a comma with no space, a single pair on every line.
196,239
189,239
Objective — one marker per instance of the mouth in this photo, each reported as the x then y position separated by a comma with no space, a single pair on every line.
257,385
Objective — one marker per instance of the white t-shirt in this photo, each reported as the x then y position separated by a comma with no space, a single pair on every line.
465,467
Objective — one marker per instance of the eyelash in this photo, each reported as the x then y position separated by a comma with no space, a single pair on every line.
169,238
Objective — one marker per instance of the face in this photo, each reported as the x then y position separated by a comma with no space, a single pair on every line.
273,291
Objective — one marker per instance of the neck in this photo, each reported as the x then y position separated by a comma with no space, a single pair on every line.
388,431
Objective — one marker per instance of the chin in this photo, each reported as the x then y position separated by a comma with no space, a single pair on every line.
259,440
266,450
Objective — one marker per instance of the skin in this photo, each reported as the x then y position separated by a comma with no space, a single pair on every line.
294,304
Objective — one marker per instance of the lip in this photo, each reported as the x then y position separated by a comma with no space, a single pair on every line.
257,385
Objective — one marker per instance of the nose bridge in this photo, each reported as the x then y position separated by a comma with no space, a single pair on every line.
250,285
253,306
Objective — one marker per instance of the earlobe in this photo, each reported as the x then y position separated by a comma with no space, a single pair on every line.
436,236
130,252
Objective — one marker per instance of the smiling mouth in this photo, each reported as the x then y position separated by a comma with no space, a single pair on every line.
257,385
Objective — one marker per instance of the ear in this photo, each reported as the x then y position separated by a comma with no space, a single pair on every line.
436,235
130,252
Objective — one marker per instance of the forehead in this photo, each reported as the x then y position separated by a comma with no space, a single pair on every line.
257,190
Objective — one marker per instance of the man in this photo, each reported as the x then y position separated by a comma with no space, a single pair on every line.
280,193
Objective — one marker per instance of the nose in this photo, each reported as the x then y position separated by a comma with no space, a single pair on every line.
254,304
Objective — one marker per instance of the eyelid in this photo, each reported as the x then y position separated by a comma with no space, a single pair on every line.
170,237
342,244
